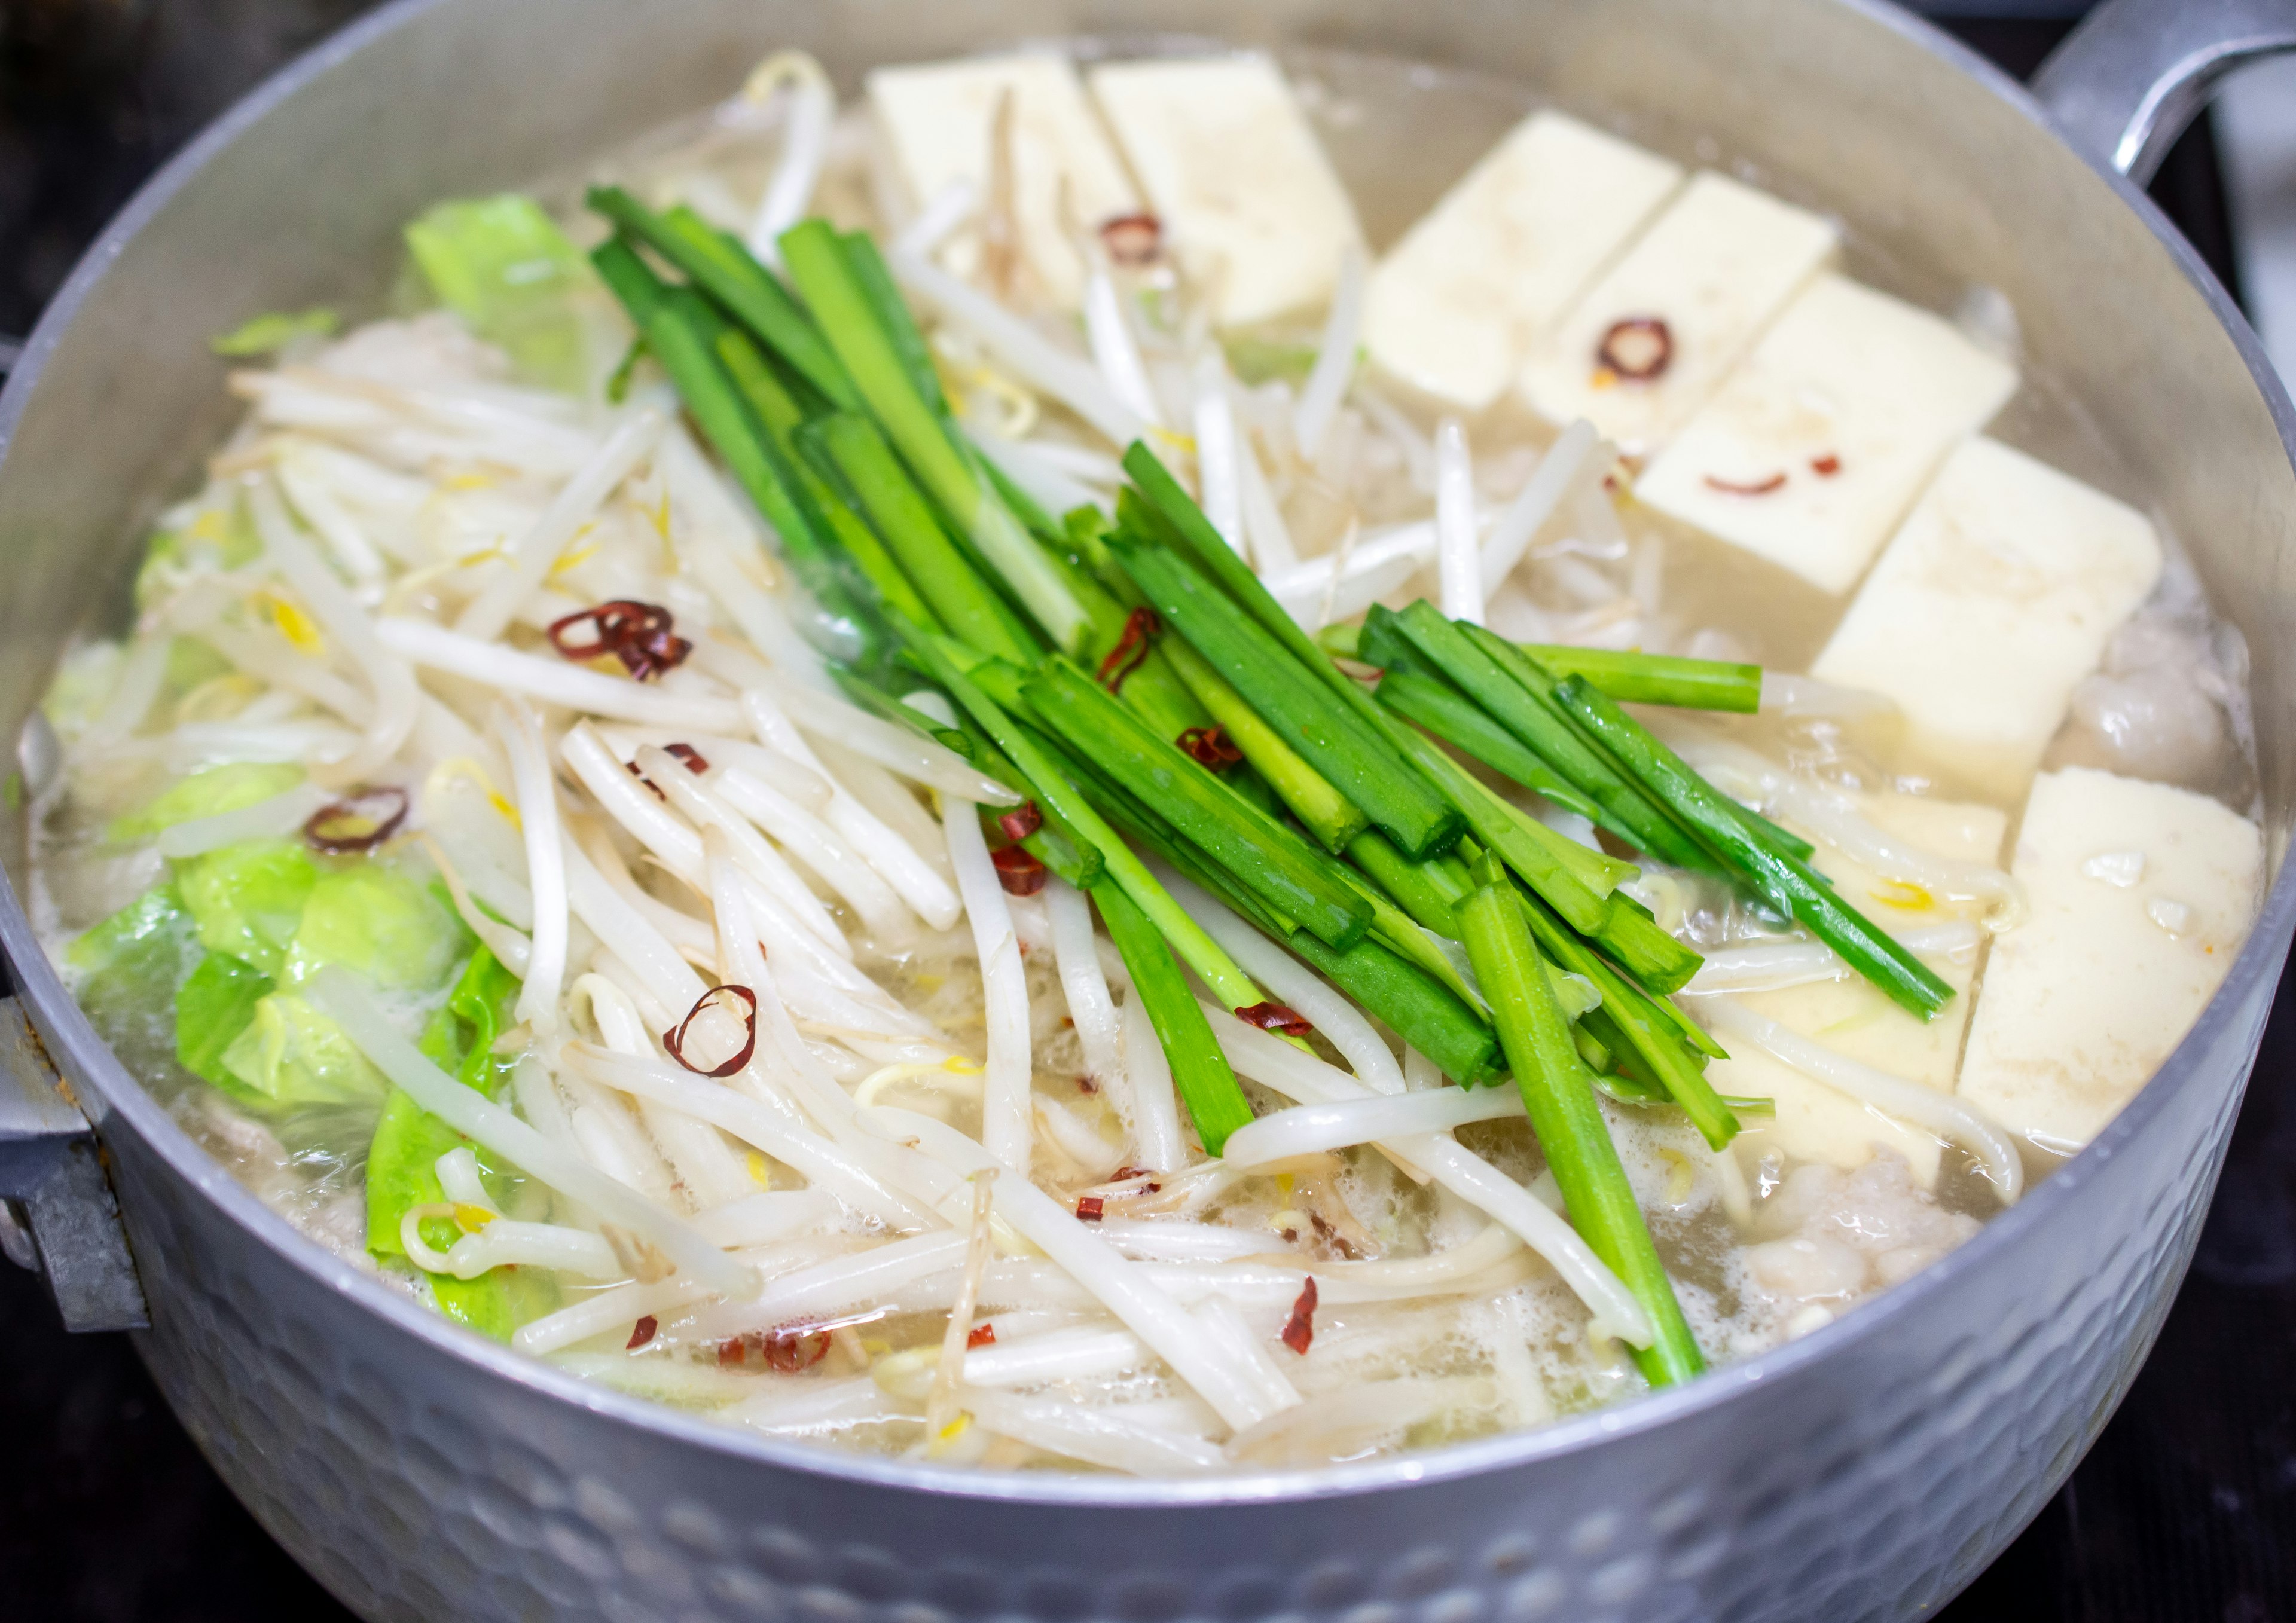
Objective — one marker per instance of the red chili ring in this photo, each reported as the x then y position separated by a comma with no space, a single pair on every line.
1606,353
1018,871
1275,1017
346,845
1022,821
639,635
1132,239
1209,747
675,1040
1131,650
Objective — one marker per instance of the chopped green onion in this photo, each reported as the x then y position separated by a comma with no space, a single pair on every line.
1527,711
1908,982
1656,678
1327,814
1054,792
822,263
1558,1094
904,520
723,268
1356,761
1199,1070
1457,720
1560,870
1264,856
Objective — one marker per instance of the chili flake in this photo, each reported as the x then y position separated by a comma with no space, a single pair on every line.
1300,1329
1275,1017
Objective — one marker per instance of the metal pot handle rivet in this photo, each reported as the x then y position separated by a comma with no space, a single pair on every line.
2127,81
57,1213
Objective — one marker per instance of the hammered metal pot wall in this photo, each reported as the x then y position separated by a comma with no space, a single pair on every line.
1868,1471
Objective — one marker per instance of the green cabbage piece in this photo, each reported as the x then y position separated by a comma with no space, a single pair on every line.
380,923
216,539
402,1161
207,794
247,899
214,1005
274,330
125,969
292,1054
503,266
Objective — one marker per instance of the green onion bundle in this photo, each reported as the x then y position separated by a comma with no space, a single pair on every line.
1137,683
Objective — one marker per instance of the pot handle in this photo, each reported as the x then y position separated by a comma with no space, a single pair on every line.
57,1214
2126,82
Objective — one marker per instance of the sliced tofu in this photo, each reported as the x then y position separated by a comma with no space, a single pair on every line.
1456,306
1995,598
1818,445
2141,895
1246,197
1714,269
1817,1123
938,122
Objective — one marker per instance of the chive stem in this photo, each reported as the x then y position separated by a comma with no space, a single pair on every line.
1558,1094
1786,879
1199,1070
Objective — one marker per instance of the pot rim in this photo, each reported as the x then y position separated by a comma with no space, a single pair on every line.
89,1060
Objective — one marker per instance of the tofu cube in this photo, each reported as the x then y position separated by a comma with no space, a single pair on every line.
1993,600
1246,197
1456,306
1817,1123
1684,303
2141,895
1814,449
938,122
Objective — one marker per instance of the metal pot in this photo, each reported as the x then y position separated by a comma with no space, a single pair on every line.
1869,1470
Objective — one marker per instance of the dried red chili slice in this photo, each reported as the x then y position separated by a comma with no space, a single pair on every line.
1022,821
1757,488
981,1335
1275,1017
1132,239
1018,872
1131,651
639,635
1825,466
788,1351
1300,1329
675,1040
695,761
643,1332
359,824
1637,349
1091,1208
652,787
1209,747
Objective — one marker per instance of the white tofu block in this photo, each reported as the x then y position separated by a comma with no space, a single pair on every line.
1816,447
2141,895
1993,599
1248,200
1456,306
1715,268
938,122
1817,1123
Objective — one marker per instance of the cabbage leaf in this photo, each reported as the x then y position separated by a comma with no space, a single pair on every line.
207,793
248,898
503,265
402,1161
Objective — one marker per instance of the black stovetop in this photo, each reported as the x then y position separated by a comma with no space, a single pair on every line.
2185,1511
